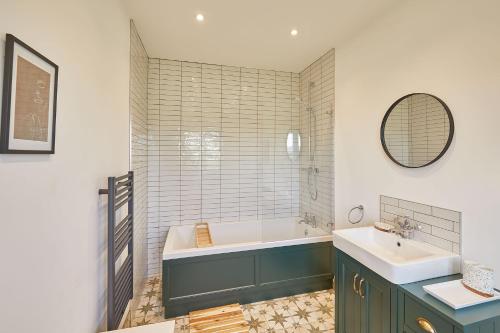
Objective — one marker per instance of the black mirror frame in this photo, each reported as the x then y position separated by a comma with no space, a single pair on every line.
450,135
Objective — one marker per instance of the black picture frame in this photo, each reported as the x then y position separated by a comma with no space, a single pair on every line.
10,44
445,148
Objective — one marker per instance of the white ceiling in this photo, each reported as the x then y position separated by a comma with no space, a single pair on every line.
250,33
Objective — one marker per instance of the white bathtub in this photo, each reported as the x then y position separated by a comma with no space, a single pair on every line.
242,236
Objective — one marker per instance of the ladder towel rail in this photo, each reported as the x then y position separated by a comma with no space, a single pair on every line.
120,238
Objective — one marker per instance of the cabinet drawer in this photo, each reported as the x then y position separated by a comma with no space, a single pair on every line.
422,320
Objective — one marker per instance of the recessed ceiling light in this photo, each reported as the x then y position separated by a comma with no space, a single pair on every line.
294,32
200,17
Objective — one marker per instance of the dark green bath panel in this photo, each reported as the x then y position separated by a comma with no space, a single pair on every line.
248,276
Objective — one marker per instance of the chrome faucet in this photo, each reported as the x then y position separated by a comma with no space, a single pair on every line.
405,228
309,220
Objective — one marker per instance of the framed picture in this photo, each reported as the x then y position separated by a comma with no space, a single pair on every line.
28,123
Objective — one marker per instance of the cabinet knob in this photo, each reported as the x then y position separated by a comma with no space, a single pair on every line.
354,280
425,325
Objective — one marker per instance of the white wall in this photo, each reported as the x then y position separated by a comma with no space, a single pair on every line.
52,239
447,48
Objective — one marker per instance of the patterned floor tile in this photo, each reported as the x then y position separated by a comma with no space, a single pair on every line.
304,313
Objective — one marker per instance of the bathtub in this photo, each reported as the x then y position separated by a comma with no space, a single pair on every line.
249,261
242,236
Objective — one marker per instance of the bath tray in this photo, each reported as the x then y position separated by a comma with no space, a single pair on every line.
454,294
203,237
227,319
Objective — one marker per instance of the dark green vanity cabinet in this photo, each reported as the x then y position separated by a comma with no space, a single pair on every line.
367,303
415,304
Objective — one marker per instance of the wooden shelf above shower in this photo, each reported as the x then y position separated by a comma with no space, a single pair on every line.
203,237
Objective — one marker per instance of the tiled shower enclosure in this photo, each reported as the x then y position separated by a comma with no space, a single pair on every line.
217,145
317,93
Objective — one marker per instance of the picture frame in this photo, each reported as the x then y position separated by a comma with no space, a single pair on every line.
29,100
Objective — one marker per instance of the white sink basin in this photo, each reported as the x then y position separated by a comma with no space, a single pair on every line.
395,259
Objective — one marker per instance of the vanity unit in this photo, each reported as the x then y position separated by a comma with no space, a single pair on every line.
364,300
417,309
379,287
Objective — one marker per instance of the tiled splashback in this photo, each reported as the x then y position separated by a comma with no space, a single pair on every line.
440,227
139,152
217,146
321,99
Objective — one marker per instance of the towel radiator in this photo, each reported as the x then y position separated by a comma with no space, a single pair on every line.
120,192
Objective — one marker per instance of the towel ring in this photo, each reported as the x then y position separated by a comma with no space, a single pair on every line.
360,208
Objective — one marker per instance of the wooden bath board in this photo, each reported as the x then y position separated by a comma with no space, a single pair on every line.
203,237
221,319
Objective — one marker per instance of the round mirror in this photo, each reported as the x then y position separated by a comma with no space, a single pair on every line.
417,130
293,144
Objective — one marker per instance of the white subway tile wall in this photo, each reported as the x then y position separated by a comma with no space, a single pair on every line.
397,132
139,152
429,129
322,101
153,232
217,146
440,227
